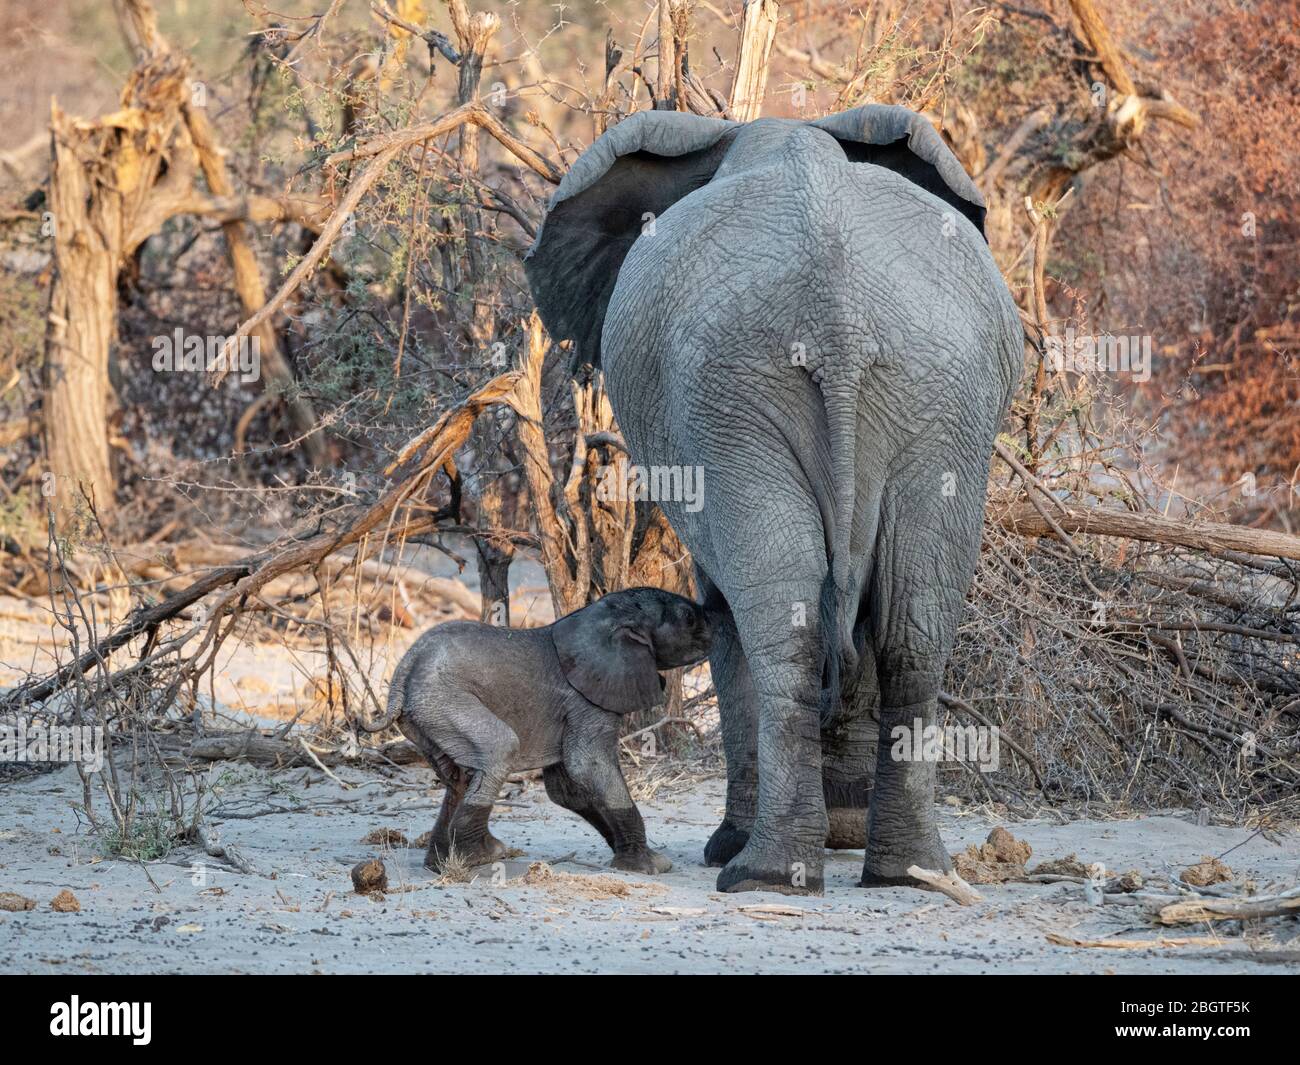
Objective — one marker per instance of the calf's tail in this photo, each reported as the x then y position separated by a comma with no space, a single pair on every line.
396,703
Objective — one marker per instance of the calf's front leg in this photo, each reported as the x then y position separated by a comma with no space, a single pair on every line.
590,783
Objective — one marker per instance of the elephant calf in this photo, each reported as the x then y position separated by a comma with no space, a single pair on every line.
481,702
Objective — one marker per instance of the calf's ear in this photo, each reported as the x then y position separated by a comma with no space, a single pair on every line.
607,656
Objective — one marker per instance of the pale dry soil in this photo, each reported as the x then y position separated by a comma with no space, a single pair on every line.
188,913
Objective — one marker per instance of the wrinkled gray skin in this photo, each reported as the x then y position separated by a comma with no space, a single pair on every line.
482,702
814,318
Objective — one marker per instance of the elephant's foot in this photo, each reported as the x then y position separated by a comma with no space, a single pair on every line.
465,854
642,861
887,866
726,842
848,831
757,868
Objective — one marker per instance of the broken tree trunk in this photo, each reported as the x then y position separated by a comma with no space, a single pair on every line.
561,532
79,327
757,32
113,180
668,69
486,486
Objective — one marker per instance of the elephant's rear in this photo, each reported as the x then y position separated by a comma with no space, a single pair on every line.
821,358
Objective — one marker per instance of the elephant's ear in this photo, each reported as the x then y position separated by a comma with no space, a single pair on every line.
606,653
639,168
906,143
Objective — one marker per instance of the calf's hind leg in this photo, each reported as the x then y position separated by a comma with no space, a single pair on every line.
454,782
472,752
468,835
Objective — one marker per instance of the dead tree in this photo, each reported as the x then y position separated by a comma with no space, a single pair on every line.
114,181
111,182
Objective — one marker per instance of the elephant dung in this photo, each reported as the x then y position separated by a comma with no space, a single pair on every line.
1126,883
1001,858
1206,872
1067,866
370,878
386,837
574,886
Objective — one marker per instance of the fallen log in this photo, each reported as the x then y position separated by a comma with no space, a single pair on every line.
1195,911
1060,940
254,747
1026,520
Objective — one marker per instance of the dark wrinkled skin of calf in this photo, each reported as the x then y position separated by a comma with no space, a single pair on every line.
482,702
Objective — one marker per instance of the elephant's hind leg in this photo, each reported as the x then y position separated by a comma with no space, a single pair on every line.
779,625
469,838
922,574
494,749
454,780
738,712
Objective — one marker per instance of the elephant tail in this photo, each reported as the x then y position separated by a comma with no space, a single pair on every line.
839,655
829,619
842,587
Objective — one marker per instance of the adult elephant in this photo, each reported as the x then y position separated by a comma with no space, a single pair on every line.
809,312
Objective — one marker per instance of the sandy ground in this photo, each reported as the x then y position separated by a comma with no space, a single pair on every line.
190,913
